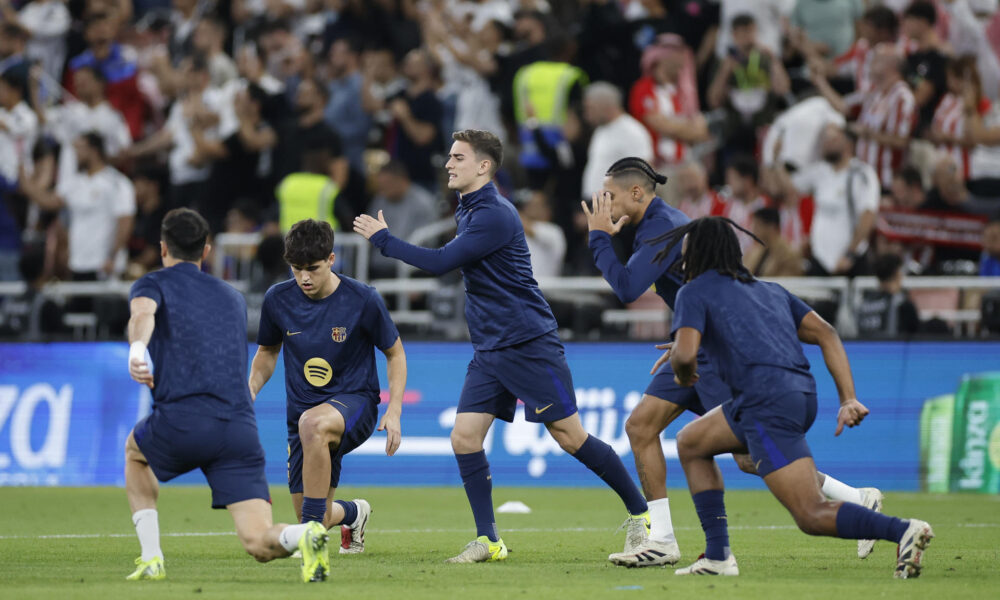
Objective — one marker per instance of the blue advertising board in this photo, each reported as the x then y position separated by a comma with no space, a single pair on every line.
66,409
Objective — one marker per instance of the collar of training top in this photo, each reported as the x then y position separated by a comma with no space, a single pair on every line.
472,198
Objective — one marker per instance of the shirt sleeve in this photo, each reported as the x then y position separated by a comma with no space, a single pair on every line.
689,310
629,281
483,236
145,287
799,308
376,321
268,333
867,189
124,198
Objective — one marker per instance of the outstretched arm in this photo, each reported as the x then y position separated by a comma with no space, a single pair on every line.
396,366
479,238
814,330
140,330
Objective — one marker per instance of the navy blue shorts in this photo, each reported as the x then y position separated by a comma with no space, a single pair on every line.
774,430
227,452
700,398
360,414
535,372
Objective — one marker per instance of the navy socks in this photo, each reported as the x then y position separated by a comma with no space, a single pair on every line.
475,472
602,460
313,509
350,511
859,523
712,512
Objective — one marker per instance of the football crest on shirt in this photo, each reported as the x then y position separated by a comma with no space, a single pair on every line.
339,334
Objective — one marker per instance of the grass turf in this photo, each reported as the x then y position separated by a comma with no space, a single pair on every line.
557,550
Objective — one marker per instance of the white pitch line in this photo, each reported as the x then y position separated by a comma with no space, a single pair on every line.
73,536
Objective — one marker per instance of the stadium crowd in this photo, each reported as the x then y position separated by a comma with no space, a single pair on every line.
855,137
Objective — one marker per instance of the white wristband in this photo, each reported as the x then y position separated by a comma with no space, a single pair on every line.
137,351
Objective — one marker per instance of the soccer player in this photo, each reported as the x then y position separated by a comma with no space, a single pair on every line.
751,331
195,328
629,196
329,326
517,349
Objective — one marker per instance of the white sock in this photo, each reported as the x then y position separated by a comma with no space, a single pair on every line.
838,490
661,528
290,536
147,527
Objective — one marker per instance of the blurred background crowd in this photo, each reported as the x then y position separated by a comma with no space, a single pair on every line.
855,137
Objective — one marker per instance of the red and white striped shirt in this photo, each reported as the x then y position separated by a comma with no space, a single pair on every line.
739,212
949,119
796,220
857,61
702,207
664,99
890,111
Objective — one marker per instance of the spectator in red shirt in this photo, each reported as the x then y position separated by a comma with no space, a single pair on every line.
665,99
120,71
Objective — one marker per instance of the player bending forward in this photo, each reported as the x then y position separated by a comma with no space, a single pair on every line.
751,331
195,328
629,196
329,326
517,350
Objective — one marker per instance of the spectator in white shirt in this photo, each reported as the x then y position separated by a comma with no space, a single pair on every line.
616,134
47,21
18,127
546,240
101,205
201,111
90,112
209,38
846,192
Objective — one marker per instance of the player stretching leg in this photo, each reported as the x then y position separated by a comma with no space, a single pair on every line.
629,196
195,328
517,350
751,331
329,326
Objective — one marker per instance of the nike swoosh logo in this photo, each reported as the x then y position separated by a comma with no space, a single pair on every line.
539,411
289,333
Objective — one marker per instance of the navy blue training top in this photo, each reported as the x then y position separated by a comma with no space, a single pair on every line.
629,281
750,333
199,343
504,305
329,344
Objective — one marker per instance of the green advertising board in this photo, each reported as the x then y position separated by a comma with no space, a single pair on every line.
960,438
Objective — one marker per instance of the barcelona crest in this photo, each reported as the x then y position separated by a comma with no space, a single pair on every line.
339,334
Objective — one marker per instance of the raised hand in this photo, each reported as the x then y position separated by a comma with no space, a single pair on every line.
599,219
369,226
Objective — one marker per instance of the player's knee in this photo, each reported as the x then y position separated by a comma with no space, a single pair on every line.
639,431
687,444
463,443
258,549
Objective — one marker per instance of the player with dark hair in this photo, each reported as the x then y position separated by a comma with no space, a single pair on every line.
629,196
518,354
195,327
751,331
329,326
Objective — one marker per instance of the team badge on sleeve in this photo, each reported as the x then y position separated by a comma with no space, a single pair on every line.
339,334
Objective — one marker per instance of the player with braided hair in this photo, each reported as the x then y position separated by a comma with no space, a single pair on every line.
629,196
752,331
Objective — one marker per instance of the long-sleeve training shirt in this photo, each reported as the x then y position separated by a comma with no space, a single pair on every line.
504,306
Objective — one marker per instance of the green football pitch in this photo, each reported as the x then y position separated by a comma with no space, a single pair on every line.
79,543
